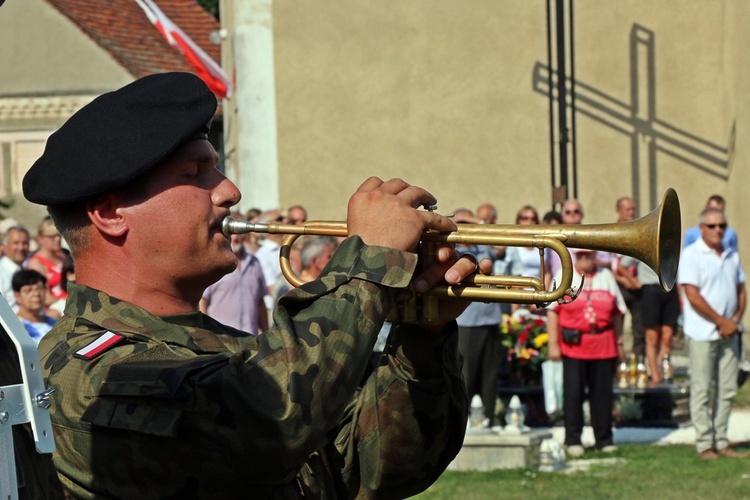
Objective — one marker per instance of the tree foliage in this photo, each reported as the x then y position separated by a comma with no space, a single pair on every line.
211,6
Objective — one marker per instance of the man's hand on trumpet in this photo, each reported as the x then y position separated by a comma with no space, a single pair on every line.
385,214
452,268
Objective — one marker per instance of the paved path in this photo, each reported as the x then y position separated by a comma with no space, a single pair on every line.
739,431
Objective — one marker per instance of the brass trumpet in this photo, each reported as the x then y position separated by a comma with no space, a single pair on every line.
654,239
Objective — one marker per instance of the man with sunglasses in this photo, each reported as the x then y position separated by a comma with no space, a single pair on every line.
693,234
713,282
728,241
572,212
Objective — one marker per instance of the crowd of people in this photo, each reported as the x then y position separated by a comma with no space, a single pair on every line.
588,336
585,334
34,274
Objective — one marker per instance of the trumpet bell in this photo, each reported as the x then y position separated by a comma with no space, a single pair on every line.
655,239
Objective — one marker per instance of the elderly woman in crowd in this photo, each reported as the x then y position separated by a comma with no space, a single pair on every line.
587,335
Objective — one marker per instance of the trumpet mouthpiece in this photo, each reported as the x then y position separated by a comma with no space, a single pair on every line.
231,226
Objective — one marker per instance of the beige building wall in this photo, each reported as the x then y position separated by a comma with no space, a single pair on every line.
451,95
438,93
52,46
736,67
664,70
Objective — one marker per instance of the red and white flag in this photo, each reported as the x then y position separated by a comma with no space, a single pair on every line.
205,67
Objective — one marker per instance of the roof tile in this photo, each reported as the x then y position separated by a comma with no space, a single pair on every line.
122,29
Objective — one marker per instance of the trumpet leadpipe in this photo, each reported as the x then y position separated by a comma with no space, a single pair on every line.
319,228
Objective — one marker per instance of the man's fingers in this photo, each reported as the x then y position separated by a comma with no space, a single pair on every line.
370,184
450,267
466,266
414,196
399,186
485,266
394,186
437,222
387,214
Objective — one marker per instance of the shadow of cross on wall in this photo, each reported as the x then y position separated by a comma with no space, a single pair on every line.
638,119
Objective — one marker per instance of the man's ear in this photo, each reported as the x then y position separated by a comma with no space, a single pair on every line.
104,214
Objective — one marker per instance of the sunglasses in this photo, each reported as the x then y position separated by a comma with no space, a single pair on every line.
527,217
569,212
723,225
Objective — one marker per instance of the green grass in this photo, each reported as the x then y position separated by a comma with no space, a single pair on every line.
644,472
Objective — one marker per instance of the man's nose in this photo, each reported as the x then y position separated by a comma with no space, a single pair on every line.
225,193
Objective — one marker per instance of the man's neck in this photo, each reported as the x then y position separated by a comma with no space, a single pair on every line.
157,300
719,249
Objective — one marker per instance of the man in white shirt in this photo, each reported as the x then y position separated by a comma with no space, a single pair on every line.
16,244
713,283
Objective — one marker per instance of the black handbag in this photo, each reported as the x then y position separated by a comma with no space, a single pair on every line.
572,337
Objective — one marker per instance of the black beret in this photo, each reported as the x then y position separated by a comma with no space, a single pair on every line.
119,136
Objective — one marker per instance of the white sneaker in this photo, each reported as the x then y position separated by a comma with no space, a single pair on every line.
575,451
609,448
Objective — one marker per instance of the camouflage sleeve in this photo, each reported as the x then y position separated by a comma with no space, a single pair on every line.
409,420
295,388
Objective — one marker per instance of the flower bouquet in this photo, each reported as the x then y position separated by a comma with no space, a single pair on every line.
524,335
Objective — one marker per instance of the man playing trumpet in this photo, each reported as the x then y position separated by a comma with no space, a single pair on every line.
155,399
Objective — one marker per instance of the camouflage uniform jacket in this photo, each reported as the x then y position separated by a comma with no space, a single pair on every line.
185,407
